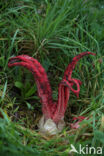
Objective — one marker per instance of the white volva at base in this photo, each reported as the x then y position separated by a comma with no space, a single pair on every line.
49,127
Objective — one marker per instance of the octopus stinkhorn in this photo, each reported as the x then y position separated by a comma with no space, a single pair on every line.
52,120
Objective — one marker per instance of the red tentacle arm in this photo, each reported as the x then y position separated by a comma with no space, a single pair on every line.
66,86
71,66
43,85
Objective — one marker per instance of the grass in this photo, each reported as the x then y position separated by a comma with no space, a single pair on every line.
52,32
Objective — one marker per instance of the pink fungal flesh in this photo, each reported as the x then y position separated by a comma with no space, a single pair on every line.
52,110
76,125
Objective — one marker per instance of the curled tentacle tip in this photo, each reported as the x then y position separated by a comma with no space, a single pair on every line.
77,95
88,52
80,83
12,60
91,53
94,54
